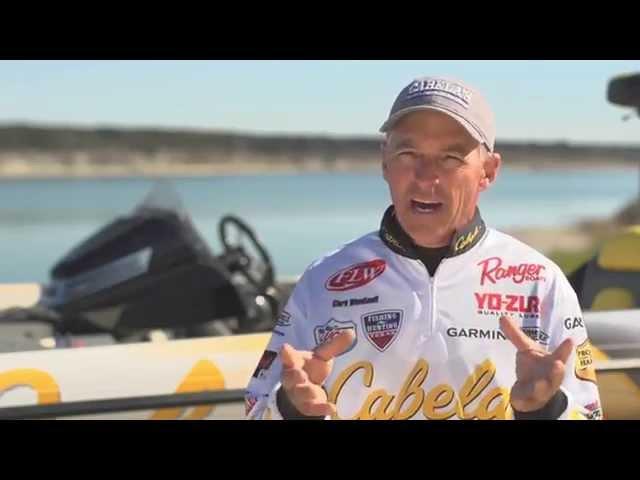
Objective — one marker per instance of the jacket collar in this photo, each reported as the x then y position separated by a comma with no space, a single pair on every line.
394,237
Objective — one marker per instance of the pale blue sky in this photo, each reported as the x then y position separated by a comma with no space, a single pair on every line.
532,100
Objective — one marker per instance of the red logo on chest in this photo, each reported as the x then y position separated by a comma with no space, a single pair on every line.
355,276
493,271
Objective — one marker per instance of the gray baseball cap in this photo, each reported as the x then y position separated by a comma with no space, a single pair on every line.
455,98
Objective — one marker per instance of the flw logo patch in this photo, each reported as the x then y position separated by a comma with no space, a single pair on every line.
355,276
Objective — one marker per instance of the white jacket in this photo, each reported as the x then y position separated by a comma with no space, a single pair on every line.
429,347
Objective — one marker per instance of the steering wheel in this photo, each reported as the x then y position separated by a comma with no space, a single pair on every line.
243,253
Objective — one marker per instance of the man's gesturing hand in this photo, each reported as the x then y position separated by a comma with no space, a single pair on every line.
539,374
304,372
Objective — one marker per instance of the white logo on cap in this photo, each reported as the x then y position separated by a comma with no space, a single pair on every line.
451,90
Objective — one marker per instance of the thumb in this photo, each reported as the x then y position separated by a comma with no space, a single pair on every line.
340,343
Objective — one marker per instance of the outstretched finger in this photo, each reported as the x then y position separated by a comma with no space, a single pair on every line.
516,336
335,346
563,352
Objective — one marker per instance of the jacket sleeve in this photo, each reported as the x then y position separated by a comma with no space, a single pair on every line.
565,321
261,392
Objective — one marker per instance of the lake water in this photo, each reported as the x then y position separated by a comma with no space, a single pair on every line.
299,217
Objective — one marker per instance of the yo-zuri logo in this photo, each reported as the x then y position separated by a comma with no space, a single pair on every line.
498,302
355,276
492,271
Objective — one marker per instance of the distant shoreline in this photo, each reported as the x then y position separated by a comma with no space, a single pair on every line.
49,152
21,170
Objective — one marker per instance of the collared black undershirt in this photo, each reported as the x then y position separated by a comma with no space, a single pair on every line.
394,236
431,257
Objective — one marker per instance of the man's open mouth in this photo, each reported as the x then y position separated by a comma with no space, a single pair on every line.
425,207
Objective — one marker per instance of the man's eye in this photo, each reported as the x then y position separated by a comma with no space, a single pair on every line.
451,161
405,156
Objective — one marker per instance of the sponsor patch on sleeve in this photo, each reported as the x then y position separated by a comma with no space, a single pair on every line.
584,368
264,363
249,403
595,411
284,319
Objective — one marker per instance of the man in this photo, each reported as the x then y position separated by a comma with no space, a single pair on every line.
434,316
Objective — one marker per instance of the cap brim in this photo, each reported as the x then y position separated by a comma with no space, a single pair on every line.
392,120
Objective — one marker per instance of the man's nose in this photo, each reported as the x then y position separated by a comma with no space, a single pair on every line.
426,171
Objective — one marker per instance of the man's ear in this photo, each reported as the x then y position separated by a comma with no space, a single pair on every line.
491,168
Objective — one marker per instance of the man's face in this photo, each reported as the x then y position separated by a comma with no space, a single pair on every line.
435,171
